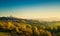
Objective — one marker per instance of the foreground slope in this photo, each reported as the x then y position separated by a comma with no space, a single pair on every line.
26,27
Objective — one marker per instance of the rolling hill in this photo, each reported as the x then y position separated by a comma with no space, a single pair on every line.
12,26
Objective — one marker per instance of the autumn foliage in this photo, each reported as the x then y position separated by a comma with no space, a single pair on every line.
26,29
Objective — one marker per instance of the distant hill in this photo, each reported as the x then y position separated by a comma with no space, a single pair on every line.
20,20
9,19
45,21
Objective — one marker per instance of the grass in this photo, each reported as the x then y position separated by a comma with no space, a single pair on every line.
4,34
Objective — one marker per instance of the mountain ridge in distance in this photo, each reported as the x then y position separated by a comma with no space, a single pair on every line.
19,20
41,19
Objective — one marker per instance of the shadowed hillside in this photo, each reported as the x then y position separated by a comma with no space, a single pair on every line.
11,26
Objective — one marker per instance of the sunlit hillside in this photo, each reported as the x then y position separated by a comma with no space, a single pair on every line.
11,26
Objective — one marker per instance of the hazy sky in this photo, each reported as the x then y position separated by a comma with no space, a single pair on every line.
30,8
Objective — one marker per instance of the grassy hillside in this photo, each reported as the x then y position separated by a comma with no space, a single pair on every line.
10,26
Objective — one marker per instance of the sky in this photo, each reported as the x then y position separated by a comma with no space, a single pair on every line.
30,9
